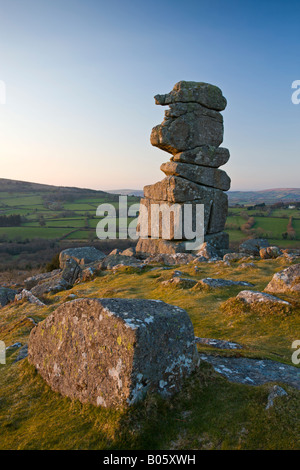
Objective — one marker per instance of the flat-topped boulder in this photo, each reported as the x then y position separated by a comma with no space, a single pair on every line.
110,352
203,93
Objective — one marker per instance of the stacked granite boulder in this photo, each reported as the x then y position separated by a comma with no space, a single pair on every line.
192,131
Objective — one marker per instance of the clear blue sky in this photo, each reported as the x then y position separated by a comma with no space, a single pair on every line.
81,76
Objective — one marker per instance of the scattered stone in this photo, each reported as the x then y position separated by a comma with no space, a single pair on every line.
182,282
219,283
253,246
291,255
129,252
208,251
110,352
270,252
250,297
112,261
177,273
275,393
87,274
53,285
13,346
71,271
218,343
26,294
287,280
246,265
254,371
32,281
22,353
233,257
7,295
83,255
170,259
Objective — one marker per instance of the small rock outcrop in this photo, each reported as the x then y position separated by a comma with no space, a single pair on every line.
192,132
287,280
110,352
253,246
252,297
82,256
27,295
271,252
219,283
6,295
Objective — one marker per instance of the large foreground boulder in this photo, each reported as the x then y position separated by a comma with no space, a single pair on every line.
110,352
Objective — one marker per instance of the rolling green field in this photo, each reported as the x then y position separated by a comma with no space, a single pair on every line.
76,220
46,216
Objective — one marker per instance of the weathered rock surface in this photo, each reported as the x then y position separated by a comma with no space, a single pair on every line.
233,256
219,283
115,260
253,371
6,295
83,255
271,252
110,352
208,95
32,281
204,156
71,271
54,284
287,280
26,294
212,177
181,282
253,246
208,251
175,189
186,126
170,259
275,393
250,297
162,219
218,343
192,132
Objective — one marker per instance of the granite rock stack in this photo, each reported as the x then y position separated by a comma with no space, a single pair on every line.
192,131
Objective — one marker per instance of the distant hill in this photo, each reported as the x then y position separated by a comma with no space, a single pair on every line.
15,186
269,196
127,192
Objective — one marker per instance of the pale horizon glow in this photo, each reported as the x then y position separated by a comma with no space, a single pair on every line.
80,79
